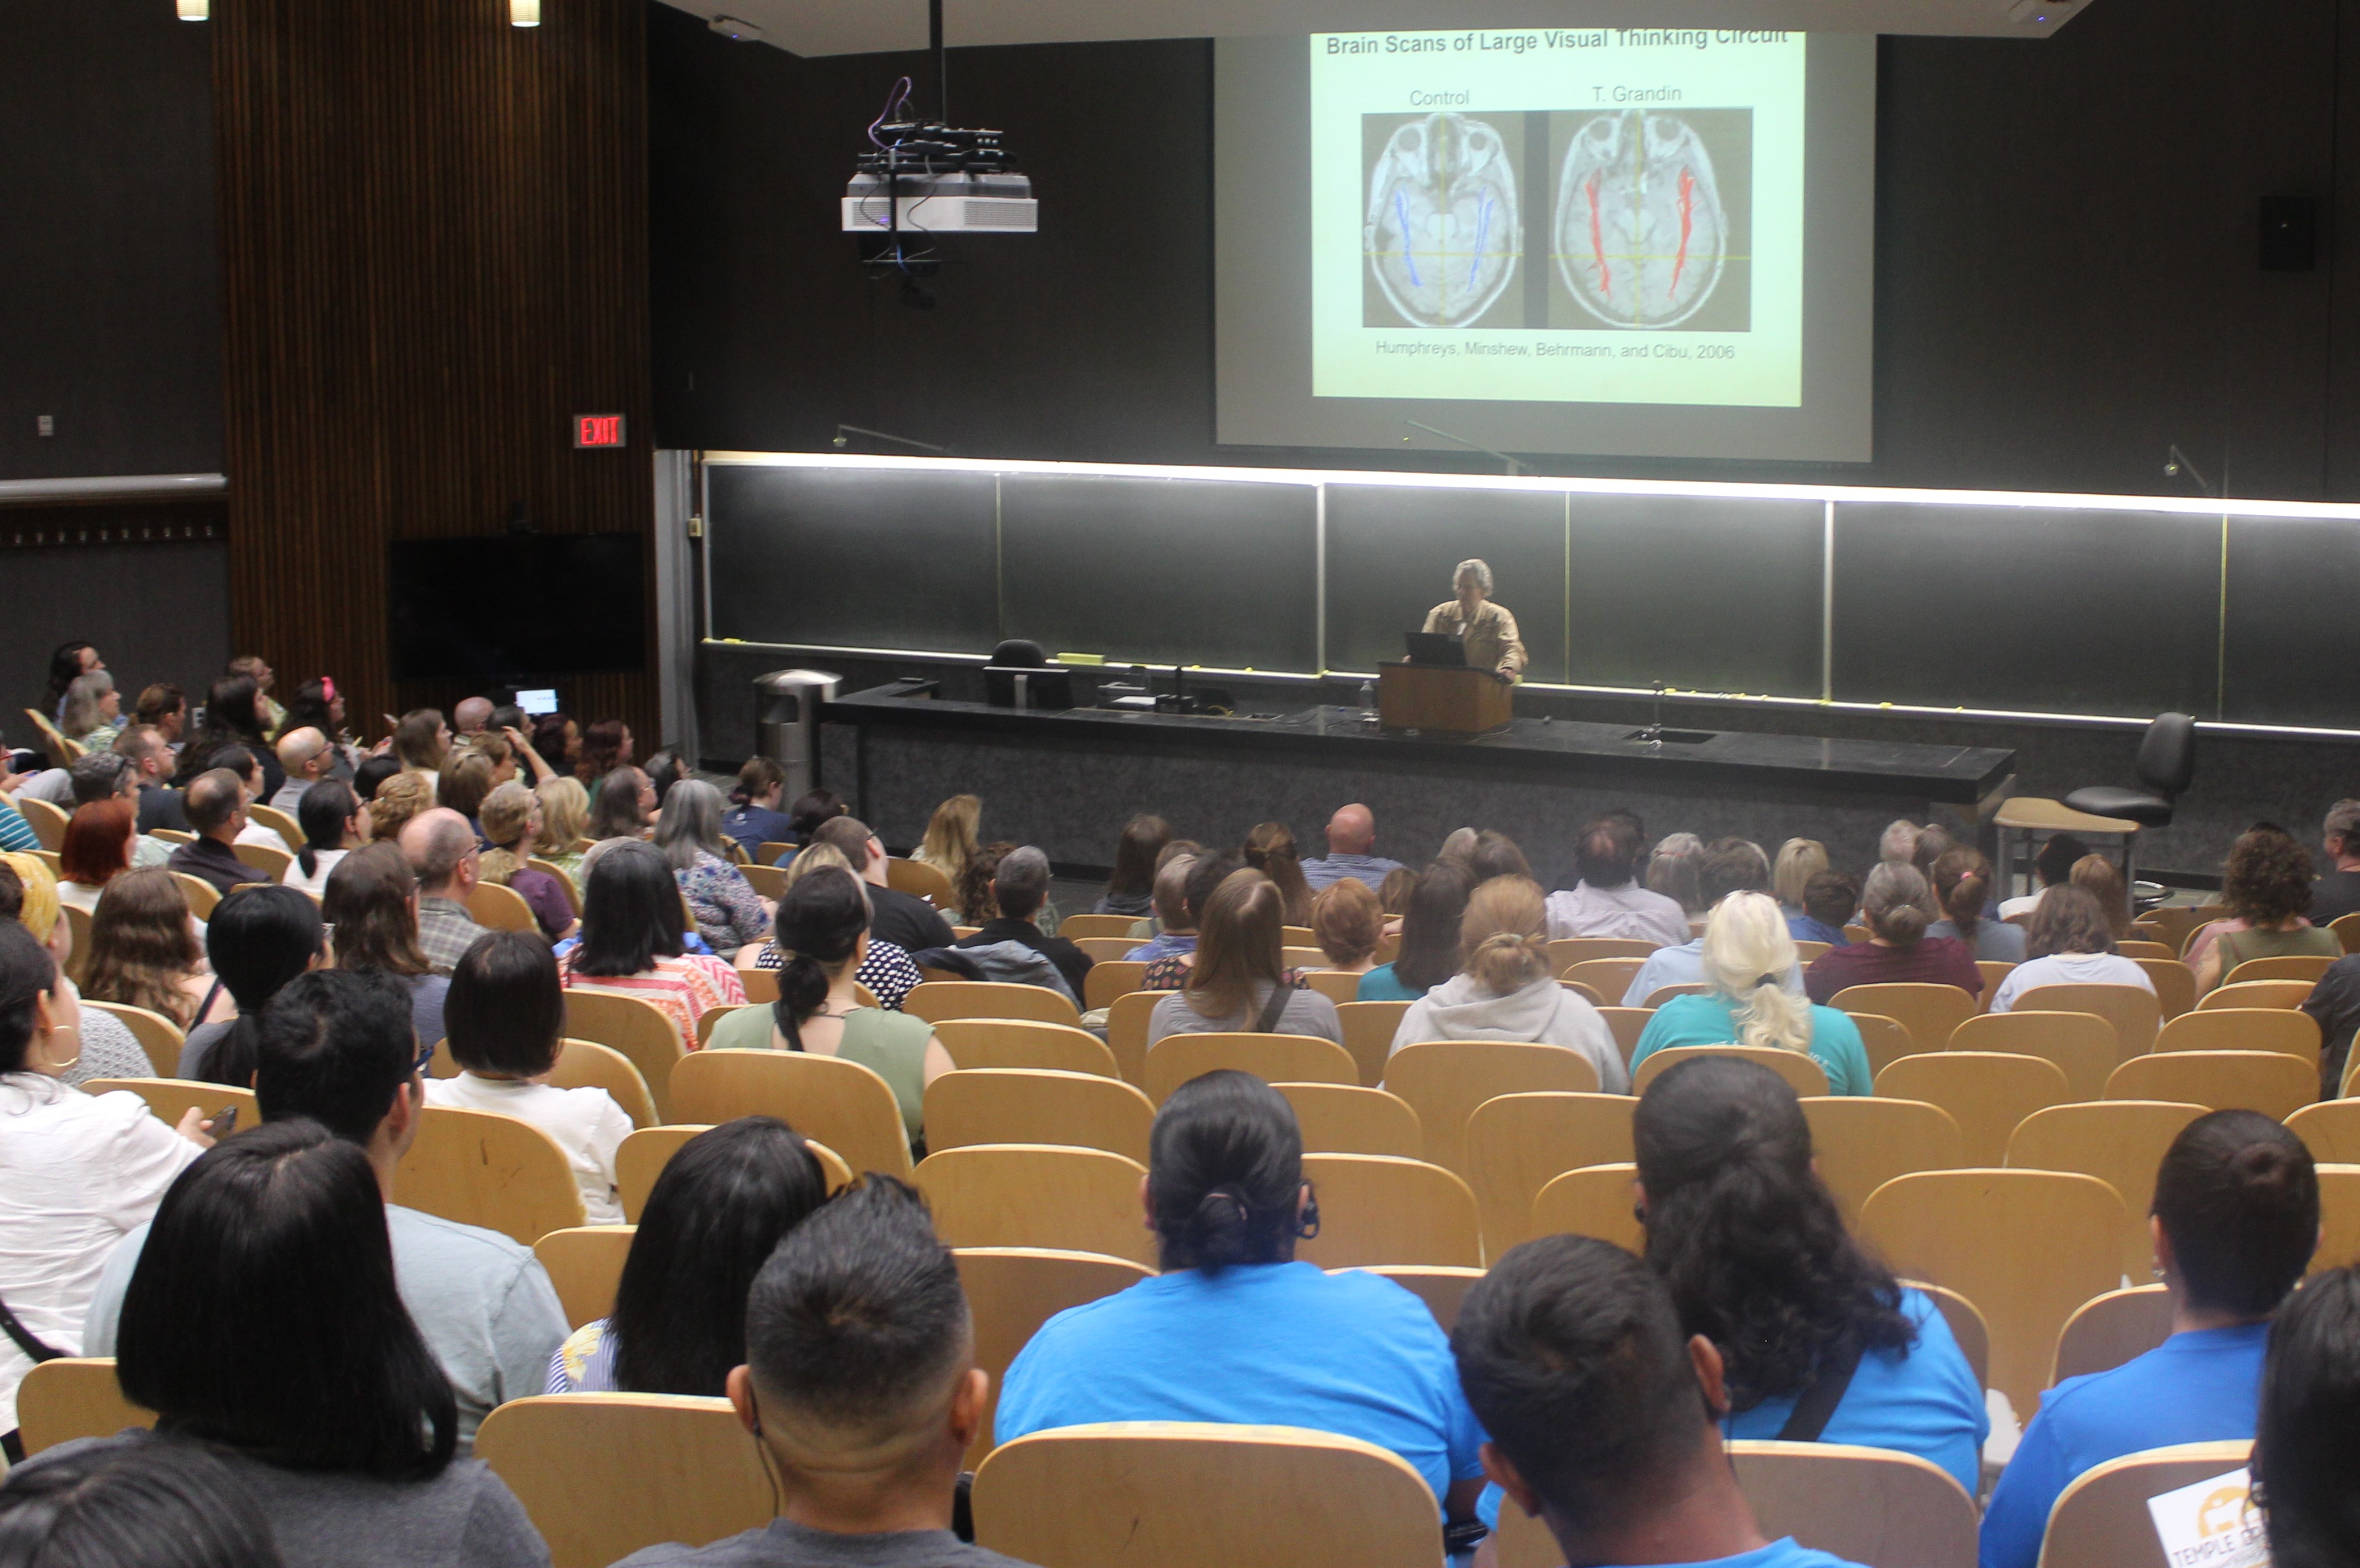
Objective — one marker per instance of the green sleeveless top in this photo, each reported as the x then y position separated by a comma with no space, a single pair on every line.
891,1045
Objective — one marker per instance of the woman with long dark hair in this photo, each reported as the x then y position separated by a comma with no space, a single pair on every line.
330,816
1818,1341
260,938
232,718
2307,1446
718,1211
1429,937
1131,891
632,927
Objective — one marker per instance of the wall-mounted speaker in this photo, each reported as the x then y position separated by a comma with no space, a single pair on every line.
2289,234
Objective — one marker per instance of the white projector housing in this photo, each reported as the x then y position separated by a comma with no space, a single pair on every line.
942,204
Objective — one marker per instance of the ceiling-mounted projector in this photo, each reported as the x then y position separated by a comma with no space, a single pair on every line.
926,178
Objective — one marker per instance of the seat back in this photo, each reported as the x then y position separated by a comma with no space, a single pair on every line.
495,907
2289,967
2120,1142
2132,1009
2347,931
586,1264
1994,973
1023,1043
1805,1076
201,895
1012,1291
1274,1058
2082,1045
1032,1105
49,823
1031,1194
2257,994
73,1396
1571,950
1126,1035
587,1064
1368,1030
936,1000
761,985
1110,978
637,1029
1597,1200
2103,1521
641,1158
1861,1142
1883,1039
1627,1024
159,1036
2026,1247
2339,1217
1136,1493
768,881
842,1103
1377,1209
173,1099
564,880
1987,1093
78,928
2144,947
2174,982
1610,977
2288,1029
1101,949
919,880
1441,1287
1930,1012
1338,986
1516,1144
481,1168
2111,1329
2269,1081
602,1476
1662,994
271,863
1073,928
1344,1118
283,823
2167,753
2330,1129
1444,1081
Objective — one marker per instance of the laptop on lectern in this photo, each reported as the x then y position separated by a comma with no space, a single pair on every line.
1439,650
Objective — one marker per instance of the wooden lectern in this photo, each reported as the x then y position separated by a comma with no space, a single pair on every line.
1435,697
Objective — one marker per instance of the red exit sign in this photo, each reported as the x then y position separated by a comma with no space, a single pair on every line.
597,429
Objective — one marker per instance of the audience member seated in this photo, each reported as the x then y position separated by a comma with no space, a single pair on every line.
1505,989
1429,937
144,952
17,834
1607,901
729,914
152,762
559,738
2334,1003
470,716
259,940
664,769
93,711
28,896
466,777
1897,951
1602,1418
2096,876
2050,867
861,1389
564,817
1351,852
1168,971
506,1019
337,1048
215,802
2337,891
630,945
79,1169
2303,1460
1234,1329
1799,860
253,667
754,819
1496,855
70,659
399,801
332,819
2265,886
2236,1220
1752,1246
440,846
1830,899
1745,947
1020,886
1131,891
238,760
270,1322
95,851
372,903
319,706
369,774
510,821
1177,932
1348,925
622,805
110,776
134,1505
1392,897
950,836
232,721
1731,865
720,1208
810,810
1898,843
1674,870
1934,841
885,970
906,921
971,900
421,740
306,757
165,707
1962,887
2068,944
1270,849
606,747
1239,981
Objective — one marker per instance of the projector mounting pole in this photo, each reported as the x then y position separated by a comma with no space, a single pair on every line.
942,61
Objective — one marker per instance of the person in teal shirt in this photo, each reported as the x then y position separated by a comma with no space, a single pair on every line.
1746,949
1429,940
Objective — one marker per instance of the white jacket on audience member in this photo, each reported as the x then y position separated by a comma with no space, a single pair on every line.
1543,1013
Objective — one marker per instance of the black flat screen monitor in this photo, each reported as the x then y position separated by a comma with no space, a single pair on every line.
1437,648
1007,686
503,610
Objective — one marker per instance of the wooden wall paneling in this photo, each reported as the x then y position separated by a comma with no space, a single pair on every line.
434,253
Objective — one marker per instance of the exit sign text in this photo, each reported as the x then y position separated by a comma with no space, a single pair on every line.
597,429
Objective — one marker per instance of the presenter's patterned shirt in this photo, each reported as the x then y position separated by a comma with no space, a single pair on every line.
1491,639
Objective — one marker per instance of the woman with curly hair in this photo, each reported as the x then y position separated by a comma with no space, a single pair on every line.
2266,883
1819,1340
605,745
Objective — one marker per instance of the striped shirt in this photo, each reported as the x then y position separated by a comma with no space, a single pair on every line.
683,989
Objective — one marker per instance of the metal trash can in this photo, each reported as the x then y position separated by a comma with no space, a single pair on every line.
787,705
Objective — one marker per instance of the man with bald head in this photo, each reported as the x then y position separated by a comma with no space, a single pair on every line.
440,849
307,758
215,805
1351,840
472,716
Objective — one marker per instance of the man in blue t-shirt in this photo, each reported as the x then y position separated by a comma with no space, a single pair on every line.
1602,1418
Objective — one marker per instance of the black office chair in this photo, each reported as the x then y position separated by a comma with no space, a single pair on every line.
2166,761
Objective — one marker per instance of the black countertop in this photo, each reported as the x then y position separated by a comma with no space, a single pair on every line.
1956,775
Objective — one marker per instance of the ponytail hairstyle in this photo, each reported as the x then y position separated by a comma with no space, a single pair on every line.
756,779
1747,953
1747,1238
1503,936
322,811
2237,1196
821,921
1963,882
1224,1172
1893,903
1270,849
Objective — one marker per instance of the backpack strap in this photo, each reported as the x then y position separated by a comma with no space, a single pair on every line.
1268,1022
16,1331
1817,1403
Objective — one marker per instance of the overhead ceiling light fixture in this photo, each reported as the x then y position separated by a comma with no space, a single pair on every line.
731,27
195,10
524,13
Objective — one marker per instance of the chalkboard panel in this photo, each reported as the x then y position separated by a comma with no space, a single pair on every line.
2293,589
853,557
1161,570
2032,609
1702,594
1390,551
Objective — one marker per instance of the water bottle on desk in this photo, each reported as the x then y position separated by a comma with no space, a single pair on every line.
1369,703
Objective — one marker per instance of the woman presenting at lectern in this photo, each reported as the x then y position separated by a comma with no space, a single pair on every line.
1488,631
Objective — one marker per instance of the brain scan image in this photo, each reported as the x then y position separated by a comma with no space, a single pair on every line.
1442,231
1640,233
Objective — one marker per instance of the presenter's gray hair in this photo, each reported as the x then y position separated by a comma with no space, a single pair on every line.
1481,569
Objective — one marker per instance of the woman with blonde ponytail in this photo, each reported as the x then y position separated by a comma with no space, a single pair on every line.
1746,949
1503,989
